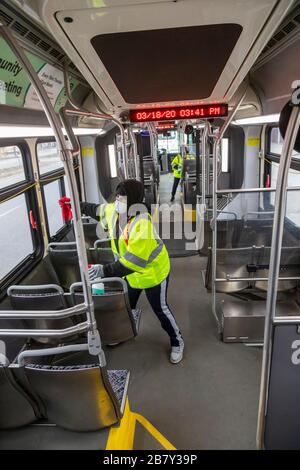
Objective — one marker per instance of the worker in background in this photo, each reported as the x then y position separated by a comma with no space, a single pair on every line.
141,256
177,164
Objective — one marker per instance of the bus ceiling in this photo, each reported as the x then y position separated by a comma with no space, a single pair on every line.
170,54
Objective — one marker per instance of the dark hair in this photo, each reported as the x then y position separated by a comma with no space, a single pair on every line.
133,189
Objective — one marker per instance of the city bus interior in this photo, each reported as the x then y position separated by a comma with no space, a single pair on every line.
95,92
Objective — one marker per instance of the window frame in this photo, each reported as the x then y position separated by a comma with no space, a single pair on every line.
28,190
48,174
65,227
27,165
295,163
50,177
272,157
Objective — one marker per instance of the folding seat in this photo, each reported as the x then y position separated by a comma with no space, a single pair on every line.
64,258
44,297
115,319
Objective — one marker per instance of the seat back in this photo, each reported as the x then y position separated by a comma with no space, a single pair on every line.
230,263
46,297
17,408
189,166
101,253
114,317
149,168
289,267
90,228
64,259
78,398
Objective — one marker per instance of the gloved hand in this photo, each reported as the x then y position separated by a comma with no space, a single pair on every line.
175,166
65,204
96,271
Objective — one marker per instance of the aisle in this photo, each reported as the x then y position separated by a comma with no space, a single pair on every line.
210,400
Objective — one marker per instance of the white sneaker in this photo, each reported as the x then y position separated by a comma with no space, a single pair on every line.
176,353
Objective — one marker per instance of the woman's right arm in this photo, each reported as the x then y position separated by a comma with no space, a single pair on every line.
90,209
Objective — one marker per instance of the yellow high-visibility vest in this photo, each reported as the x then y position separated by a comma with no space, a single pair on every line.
139,248
177,161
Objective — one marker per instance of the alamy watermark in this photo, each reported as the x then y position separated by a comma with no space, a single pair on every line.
170,222
296,93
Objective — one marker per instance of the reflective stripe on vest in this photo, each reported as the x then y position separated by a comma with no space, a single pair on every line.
103,220
142,263
156,251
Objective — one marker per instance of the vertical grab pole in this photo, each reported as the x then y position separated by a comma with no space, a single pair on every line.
275,254
203,162
198,153
216,146
135,153
107,117
66,154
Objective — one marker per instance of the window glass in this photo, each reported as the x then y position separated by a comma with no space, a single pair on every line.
15,234
112,161
276,143
11,166
52,195
168,141
293,180
224,155
48,157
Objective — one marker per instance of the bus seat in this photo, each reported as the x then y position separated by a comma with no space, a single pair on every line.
115,319
17,408
101,253
290,258
230,263
92,231
45,297
80,398
64,258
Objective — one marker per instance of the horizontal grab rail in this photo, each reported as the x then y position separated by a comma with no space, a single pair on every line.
254,190
63,333
42,314
232,279
51,351
286,320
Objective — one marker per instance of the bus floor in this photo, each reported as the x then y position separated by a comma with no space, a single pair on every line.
210,399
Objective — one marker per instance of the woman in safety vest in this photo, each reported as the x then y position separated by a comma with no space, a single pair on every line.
177,164
141,256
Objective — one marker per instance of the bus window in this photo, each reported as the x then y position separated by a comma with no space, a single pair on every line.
273,156
224,155
276,143
52,193
48,157
168,141
16,242
112,161
11,166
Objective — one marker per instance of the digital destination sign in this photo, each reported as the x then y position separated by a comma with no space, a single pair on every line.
204,111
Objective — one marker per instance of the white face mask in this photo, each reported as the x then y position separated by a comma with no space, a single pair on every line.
120,207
